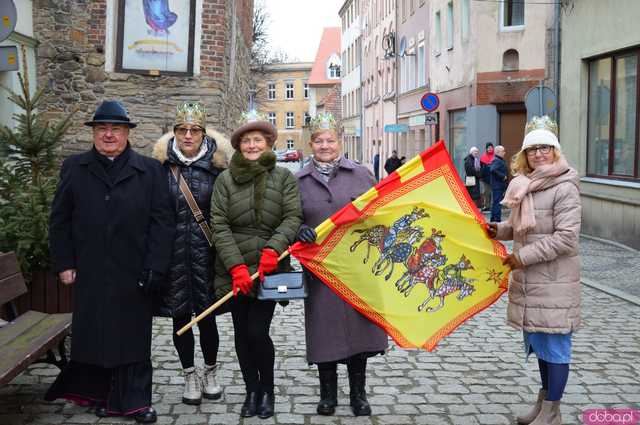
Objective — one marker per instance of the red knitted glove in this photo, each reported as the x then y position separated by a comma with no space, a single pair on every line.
241,279
268,262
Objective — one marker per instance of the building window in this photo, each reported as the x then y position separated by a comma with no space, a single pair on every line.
438,30
272,118
288,90
290,120
465,19
271,90
458,136
334,71
450,25
422,81
412,72
307,118
613,148
512,13
306,90
333,65
290,144
510,60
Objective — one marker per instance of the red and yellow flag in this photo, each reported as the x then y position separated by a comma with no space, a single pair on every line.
411,253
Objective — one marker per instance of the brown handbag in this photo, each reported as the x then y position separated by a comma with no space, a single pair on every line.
197,214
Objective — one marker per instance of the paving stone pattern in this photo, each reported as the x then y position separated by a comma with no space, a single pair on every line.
476,376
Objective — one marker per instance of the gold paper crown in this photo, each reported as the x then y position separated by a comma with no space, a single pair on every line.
191,113
541,123
251,116
323,121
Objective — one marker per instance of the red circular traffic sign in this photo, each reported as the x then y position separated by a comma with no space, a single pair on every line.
430,102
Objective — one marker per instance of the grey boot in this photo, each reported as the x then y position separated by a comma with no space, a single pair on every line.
210,387
192,388
549,414
529,417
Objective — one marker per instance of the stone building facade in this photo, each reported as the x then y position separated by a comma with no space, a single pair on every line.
599,114
76,61
282,93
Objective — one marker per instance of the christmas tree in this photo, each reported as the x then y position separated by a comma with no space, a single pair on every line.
29,167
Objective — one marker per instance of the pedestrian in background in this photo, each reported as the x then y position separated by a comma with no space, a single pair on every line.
335,331
472,170
255,215
376,166
392,163
498,176
485,185
111,234
196,158
544,224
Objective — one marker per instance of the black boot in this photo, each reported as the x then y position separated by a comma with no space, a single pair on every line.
266,406
250,405
328,392
357,393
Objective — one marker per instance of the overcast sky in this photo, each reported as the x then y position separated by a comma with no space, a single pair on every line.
295,26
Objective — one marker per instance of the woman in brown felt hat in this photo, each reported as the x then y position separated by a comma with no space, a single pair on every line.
255,216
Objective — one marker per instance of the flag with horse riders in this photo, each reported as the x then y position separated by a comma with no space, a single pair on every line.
411,253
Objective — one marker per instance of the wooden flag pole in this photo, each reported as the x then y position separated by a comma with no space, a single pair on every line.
218,303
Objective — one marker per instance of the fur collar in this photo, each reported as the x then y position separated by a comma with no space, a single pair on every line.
244,170
220,158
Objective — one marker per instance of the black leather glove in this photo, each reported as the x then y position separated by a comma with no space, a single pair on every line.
306,234
150,282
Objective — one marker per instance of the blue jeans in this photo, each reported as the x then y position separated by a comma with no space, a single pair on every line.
496,208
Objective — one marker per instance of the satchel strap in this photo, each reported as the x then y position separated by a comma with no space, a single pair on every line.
197,213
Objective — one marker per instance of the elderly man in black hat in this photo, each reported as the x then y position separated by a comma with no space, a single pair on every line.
111,236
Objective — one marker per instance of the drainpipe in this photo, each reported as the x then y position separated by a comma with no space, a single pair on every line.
556,64
361,109
396,66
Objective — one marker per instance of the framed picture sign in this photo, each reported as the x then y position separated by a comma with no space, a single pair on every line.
155,37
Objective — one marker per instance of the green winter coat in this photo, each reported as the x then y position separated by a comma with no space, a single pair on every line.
254,205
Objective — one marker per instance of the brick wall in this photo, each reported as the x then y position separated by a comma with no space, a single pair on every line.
71,66
506,87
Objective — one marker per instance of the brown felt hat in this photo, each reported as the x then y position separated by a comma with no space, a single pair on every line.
264,126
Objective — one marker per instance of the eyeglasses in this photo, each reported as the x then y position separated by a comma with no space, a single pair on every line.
102,129
182,131
544,149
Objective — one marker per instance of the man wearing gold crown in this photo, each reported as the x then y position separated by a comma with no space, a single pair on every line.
544,287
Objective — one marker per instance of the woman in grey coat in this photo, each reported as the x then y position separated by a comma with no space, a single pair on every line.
335,331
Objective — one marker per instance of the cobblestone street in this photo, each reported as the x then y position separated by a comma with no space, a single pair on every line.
475,376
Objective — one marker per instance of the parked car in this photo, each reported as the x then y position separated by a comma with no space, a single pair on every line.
292,156
280,154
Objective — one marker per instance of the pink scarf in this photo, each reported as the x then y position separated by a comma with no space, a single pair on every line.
519,194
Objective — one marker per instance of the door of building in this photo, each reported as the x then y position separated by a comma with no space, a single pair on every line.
512,124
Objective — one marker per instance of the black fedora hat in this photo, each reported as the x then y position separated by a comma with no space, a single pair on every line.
110,112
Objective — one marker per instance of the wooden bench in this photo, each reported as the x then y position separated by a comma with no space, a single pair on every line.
30,337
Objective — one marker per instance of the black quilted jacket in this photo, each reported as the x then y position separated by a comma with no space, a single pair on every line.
189,286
